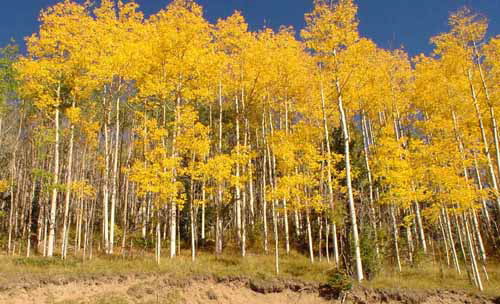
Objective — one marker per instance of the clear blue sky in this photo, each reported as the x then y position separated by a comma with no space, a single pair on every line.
390,23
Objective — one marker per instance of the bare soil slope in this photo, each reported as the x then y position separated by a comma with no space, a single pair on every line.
163,289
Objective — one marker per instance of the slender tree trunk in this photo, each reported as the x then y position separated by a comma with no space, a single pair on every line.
105,200
264,199
238,189
276,239
409,240
35,214
12,207
445,240
320,238
11,219
173,203
309,235
352,208
178,230
218,219
158,238
477,276
243,226
115,180
79,224
53,201
203,198
67,198
461,234
492,113
372,217
287,229
251,194
446,219
327,240
192,219
485,210
486,148
420,227
395,236
297,222
45,229
125,213
479,182
480,244
173,228
329,167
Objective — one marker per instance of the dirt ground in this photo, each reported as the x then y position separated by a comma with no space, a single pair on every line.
164,289
147,289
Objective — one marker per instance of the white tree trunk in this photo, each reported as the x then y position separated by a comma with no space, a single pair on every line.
238,189
309,235
203,197
173,228
114,193
158,239
420,227
67,198
105,200
276,240
53,201
451,239
193,231
395,236
486,148
445,240
477,276
352,208
287,229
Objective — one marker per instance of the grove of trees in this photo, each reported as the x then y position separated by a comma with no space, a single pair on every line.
121,133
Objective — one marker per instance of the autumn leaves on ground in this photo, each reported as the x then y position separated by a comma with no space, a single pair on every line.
165,159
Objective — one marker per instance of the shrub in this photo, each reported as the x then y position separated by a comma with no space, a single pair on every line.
337,283
371,265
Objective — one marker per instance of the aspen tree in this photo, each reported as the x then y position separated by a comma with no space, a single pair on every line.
154,174
232,39
46,76
193,146
454,48
329,31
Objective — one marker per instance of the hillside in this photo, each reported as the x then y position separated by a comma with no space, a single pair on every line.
225,280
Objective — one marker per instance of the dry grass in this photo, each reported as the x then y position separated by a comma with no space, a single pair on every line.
432,276
294,266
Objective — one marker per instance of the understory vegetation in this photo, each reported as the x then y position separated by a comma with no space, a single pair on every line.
295,267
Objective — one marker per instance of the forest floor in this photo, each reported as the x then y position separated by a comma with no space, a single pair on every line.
227,279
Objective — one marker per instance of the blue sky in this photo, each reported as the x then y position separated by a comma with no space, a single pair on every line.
390,23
